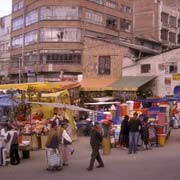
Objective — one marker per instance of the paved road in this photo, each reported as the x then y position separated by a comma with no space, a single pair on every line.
158,164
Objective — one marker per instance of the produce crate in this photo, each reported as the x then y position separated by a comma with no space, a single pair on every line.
35,141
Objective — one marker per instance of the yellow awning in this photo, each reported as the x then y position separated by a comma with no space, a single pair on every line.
42,85
37,85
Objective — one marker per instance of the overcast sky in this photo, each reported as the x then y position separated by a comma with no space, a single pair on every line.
5,7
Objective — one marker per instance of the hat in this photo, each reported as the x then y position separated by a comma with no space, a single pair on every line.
63,122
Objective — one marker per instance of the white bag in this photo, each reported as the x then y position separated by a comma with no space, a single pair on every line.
53,158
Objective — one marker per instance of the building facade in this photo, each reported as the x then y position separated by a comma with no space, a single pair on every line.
5,28
165,67
50,39
160,22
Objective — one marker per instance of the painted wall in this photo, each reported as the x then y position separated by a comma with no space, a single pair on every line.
166,81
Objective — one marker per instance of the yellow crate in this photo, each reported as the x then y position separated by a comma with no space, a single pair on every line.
106,146
161,139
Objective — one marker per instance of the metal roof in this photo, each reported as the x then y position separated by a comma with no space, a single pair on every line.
130,83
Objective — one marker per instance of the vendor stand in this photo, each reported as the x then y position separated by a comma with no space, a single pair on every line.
161,112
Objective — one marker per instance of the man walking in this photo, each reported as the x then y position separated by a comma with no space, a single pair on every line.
95,141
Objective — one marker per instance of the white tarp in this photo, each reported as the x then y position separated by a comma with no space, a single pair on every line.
61,105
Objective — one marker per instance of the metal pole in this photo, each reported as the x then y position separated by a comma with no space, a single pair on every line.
19,70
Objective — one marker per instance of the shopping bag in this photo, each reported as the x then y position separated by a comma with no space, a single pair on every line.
54,158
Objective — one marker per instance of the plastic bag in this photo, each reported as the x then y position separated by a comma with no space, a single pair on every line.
54,158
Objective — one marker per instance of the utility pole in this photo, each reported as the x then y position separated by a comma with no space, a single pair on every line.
19,70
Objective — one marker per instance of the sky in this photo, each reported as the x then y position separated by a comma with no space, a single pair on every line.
5,7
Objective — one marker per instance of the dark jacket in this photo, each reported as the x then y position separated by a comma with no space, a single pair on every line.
125,127
95,137
134,125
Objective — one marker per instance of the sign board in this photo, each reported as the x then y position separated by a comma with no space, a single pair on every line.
176,76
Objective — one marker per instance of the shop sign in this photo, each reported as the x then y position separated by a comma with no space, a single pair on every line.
161,67
176,76
167,81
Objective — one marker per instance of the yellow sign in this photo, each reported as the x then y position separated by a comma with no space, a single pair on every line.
176,76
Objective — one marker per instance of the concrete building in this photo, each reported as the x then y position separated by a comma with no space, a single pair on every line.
173,3
157,21
5,27
55,39
165,67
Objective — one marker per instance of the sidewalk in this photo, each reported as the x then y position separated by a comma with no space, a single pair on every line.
159,163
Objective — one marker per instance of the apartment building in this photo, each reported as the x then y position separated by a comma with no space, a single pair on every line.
56,39
172,3
157,20
5,27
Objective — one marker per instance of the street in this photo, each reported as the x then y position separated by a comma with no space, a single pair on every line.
162,163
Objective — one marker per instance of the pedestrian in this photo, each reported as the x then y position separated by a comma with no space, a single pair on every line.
95,142
52,139
153,134
124,133
12,145
69,131
55,119
145,132
65,141
52,144
134,128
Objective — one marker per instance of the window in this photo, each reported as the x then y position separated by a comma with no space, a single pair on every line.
164,34
31,17
30,58
111,4
178,23
145,68
97,1
17,23
60,13
125,9
171,67
178,38
172,37
60,57
164,18
1,66
2,22
4,47
172,21
17,41
31,37
94,17
104,65
18,5
15,60
111,23
125,25
60,34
